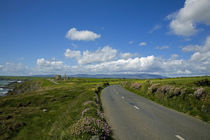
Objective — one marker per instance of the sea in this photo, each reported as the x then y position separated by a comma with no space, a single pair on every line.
3,87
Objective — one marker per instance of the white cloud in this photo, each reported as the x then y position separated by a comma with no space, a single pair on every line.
87,57
174,56
126,55
142,44
130,65
100,55
131,42
202,55
10,68
46,63
51,67
194,12
106,61
191,48
72,54
155,28
74,45
85,35
162,47
149,64
198,64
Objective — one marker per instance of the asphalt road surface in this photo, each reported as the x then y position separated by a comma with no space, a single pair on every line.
133,117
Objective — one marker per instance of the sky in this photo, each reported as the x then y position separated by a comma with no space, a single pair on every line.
170,38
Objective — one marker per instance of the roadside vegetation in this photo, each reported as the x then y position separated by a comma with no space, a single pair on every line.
190,95
41,109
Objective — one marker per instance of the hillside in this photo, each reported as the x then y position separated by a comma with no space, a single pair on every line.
41,109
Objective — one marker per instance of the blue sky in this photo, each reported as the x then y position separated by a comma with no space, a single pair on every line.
170,38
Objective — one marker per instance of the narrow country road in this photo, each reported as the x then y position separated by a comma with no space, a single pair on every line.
135,118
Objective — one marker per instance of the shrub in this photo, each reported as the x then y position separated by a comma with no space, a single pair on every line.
175,92
136,85
98,89
145,86
203,82
84,111
165,89
91,126
126,84
100,114
105,84
199,92
154,88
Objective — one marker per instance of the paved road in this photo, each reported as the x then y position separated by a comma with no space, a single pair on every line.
133,118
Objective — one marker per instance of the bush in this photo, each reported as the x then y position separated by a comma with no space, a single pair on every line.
203,82
91,126
199,92
154,88
165,89
98,89
136,85
105,84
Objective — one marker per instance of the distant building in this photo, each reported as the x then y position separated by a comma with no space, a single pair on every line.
65,77
58,77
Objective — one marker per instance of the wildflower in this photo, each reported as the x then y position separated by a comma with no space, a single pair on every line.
199,92
92,126
87,102
84,111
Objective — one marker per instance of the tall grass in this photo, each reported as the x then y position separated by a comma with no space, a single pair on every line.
40,109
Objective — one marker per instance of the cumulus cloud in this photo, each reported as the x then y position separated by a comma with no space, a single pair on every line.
10,68
51,66
148,64
46,63
198,64
126,55
72,54
101,55
142,44
174,56
202,55
194,12
162,47
85,35
122,65
106,61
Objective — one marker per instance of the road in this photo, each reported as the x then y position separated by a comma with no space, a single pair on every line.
133,117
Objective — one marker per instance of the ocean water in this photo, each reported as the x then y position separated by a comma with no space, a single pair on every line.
3,87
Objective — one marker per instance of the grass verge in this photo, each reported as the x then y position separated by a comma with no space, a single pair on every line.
190,95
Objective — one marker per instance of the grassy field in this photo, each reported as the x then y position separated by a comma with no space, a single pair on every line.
190,95
44,110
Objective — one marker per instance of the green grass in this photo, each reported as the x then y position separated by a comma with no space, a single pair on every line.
22,116
185,101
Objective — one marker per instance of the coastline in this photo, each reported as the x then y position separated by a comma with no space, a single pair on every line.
7,88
